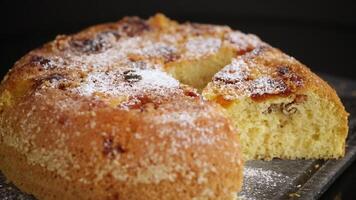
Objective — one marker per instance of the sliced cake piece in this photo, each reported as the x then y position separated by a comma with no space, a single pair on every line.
280,108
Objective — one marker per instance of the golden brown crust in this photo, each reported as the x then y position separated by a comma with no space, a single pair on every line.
266,72
263,73
132,154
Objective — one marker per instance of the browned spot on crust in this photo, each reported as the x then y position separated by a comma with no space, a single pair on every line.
36,59
260,50
139,102
226,80
285,73
116,196
288,80
223,102
170,55
110,149
90,45
265,96
61,42
49,79
191,93
200,29
132,26
62,120
130,76
55,80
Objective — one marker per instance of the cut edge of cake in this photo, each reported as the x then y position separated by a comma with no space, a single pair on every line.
280,108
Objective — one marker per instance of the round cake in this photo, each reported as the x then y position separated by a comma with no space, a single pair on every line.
153,109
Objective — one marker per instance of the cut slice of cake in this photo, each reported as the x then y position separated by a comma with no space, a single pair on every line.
279,107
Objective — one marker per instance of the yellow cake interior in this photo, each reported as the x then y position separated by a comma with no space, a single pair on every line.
198,72
279,128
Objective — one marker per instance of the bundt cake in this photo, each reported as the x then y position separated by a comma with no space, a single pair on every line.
154,109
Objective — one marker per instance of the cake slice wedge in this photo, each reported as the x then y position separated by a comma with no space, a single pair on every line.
279,107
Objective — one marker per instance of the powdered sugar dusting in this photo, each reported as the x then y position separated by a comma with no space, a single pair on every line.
124,49
118,83
236,71
255,75
117,53
259,183
241,41
200,46
185,118
267,85
188,121
155,49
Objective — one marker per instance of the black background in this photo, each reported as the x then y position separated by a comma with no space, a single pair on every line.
322,34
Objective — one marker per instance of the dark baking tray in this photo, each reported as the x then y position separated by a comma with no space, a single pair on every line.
278,179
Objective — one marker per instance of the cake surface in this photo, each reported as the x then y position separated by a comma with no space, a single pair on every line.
115,112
